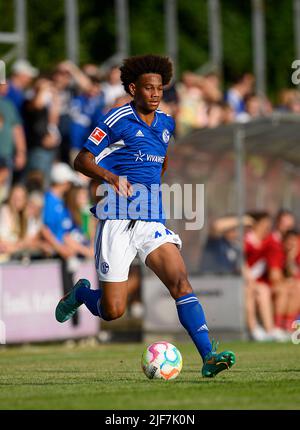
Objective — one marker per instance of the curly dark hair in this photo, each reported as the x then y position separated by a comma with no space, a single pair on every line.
133,67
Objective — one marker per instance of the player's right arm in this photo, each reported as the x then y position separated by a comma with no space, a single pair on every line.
85,163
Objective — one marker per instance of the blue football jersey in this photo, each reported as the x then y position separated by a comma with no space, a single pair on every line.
127,146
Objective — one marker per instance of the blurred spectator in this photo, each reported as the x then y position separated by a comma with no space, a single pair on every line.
85,110
199,102
12,139
79,205
69,81
36,243
215,114
62,232
4,179
284,221
120,101
91,70
112,88
259,310
21,228
192,107
286,99
34,210
236,94
81,235
255,107
170,101
56,215
221,252
13,222
228,114
22,75
293,104
35,181
211,87
40,114
291,248
285,291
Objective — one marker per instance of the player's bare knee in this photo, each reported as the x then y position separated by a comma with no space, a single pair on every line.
114,312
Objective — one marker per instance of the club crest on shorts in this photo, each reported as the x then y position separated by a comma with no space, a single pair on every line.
166,135
104,267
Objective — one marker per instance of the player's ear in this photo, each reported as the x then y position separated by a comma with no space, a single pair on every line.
132,89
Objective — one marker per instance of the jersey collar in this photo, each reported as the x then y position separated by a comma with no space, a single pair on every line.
155,119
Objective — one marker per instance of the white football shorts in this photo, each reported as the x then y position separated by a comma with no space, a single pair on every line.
116,245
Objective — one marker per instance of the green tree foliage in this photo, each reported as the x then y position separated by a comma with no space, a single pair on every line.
237,39
280,43
45,33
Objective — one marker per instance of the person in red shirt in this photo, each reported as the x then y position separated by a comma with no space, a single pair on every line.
258,294
291,246
285,290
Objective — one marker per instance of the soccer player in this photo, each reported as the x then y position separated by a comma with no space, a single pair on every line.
127,150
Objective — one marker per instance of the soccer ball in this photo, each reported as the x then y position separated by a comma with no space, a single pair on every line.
161,360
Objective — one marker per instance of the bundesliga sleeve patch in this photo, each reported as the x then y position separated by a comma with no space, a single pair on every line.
97,136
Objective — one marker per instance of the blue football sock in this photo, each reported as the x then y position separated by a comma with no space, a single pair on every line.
91,299
191,316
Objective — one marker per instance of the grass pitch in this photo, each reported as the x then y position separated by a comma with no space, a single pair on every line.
266,376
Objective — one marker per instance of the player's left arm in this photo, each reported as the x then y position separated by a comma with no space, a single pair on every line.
85,163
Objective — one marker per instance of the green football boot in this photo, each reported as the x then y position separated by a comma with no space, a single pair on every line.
215,363
68,305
